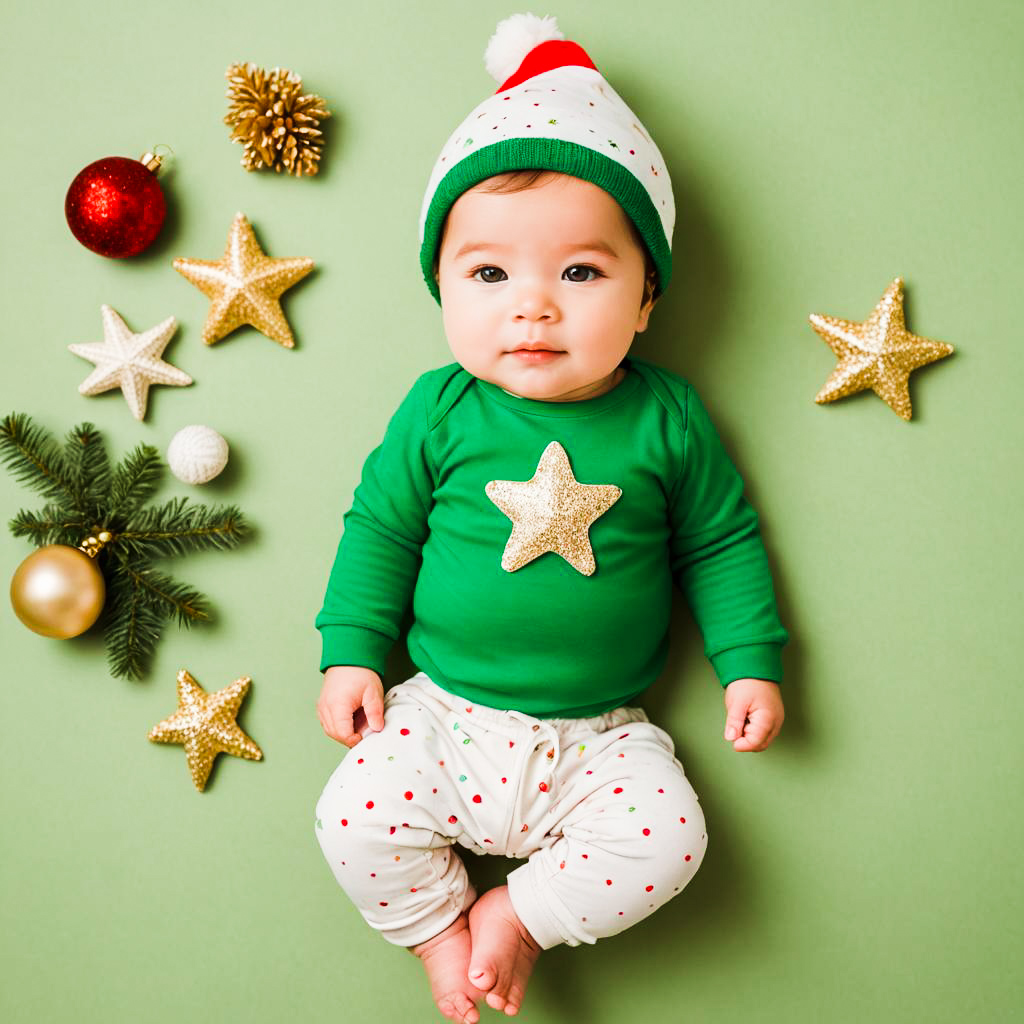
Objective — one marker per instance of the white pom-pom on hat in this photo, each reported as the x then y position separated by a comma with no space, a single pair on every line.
197,454
513,39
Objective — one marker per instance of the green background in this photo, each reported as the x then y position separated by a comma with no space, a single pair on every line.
866,868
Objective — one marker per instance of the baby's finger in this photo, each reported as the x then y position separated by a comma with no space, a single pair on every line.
735,720
373,707
775,730
755,737
326,719
339,725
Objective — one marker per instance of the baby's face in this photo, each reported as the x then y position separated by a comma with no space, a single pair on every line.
542,290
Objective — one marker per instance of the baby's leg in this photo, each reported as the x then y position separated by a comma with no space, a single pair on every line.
384,824
390,854
631,836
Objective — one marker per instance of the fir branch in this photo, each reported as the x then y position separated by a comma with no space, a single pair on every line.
35,459
133,627
88,468
52,525
165,594
141,600
176,527
133,482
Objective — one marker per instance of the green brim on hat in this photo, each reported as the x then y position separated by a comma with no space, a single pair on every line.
548,155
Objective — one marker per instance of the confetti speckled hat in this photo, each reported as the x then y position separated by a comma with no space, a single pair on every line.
553,111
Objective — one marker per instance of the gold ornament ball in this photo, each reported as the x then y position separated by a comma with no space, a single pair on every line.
58,591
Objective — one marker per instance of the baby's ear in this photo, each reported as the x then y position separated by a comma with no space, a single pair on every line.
647,304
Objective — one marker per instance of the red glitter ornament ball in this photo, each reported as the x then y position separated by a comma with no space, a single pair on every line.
115,206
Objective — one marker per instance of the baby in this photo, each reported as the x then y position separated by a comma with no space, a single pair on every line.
535,500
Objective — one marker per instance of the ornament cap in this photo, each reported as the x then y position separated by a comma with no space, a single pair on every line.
151,160
95,542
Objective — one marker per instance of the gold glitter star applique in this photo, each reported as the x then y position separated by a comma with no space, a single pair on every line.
879,353
551,512
205,724
129,361
245,286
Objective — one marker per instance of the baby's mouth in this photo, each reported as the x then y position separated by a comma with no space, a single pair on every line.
536,355
528,347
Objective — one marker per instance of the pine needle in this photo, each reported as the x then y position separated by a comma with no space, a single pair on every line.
33,456
176,527
88,467
134,482
133,626
51,525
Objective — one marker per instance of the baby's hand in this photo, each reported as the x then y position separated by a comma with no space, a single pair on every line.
754,713
351,703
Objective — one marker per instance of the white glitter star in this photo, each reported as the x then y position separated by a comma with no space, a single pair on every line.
129,361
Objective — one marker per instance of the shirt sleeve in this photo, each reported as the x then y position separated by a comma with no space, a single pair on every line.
718,558
378,557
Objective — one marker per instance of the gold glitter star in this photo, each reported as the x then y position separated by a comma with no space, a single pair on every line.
879,353
205,724
551,512
129,361
245,286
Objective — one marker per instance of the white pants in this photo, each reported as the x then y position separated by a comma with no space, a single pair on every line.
600,807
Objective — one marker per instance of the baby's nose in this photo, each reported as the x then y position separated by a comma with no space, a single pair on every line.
535,304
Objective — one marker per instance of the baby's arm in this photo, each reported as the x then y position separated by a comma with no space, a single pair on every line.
754,713
721,566
374,574
351,702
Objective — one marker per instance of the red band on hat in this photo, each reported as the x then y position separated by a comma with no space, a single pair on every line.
547,56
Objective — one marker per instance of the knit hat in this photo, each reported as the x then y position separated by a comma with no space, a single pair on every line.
553,111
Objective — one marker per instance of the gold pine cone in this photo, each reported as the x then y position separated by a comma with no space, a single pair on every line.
276,122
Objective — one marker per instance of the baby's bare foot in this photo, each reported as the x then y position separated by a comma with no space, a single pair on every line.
503,951
446,960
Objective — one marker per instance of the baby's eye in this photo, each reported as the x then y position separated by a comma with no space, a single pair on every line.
580,273
490,275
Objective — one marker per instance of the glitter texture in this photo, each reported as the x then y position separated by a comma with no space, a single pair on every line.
245,286
129,361
115,206
879,353
205,724
551,512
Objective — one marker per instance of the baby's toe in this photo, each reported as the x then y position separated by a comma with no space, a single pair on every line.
495,1001
459,1008
465,1010
483,977
494,982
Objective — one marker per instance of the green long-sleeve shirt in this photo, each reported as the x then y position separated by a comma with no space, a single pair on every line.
546,639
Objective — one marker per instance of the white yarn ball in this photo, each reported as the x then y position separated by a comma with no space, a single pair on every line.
197,454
